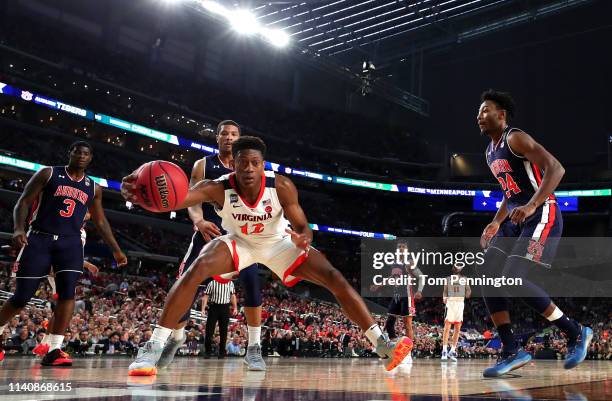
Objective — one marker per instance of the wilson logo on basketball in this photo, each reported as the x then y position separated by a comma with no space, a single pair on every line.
162,189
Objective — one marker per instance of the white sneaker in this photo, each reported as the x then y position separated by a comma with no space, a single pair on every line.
453,356
444,356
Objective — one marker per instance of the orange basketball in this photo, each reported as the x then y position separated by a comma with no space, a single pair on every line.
162,186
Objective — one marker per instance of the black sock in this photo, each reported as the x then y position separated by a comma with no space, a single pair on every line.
507,338
569,327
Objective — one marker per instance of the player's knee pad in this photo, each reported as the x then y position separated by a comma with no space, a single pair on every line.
66,281
24,291
251,283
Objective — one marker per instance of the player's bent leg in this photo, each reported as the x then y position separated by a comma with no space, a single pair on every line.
408,325
251,283
25,290
445,335
453,352
317,269
66,281
215,259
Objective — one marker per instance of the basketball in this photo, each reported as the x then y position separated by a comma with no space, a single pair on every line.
162,186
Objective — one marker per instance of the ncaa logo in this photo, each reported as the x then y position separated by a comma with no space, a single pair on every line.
87,182
233,198
27,96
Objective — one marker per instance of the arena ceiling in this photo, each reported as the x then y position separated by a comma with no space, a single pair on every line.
342,34
385,31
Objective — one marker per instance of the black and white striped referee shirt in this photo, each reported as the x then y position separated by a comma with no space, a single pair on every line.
219,293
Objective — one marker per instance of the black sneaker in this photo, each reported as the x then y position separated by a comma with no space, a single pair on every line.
57,357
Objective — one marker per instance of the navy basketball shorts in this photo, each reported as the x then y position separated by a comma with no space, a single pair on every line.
537,239
401,307
64,253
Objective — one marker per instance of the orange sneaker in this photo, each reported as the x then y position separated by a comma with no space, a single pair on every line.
394,351
57,357
41,349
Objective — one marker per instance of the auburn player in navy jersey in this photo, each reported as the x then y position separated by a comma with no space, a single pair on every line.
528,175
57,200
207,227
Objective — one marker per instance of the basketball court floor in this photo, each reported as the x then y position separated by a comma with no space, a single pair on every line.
306,379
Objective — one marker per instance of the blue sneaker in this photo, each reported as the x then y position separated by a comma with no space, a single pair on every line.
577,353
508,363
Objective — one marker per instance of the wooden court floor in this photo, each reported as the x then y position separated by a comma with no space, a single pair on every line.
305,379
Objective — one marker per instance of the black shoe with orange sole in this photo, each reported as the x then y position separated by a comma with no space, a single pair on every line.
57,357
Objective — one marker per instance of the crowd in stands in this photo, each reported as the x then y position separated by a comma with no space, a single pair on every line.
311,138
115,313
328,205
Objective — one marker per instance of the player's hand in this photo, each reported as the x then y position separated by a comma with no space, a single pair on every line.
489,232
93,269
521,213
418,295
300,240
20,239
233,310
120,258
128,188
208,229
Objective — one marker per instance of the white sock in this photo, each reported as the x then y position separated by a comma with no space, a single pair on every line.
556,314
178,334
453,348
161,334
254,335
55,341
444,347
373,333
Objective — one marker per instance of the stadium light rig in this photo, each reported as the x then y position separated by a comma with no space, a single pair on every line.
245,22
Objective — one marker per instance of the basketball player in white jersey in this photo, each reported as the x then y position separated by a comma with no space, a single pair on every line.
206,223
257,208
453,297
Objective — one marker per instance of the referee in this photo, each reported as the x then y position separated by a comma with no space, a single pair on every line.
218,296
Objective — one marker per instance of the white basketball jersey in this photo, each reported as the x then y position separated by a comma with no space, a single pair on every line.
261,222
455,290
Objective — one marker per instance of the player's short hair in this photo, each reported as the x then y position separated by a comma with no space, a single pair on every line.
248,142
228,122
79,144
503,100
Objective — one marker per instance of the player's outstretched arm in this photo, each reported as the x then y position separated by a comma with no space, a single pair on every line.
204,191
523,144
20,213
301,235
99,219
